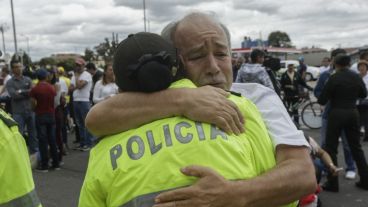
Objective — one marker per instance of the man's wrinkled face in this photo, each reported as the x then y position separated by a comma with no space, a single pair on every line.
205,54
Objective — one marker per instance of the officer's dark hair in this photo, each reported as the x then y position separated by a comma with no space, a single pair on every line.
342,60
255,54
91,66
145,62
337,51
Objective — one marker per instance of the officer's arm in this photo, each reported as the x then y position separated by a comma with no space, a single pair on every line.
130,110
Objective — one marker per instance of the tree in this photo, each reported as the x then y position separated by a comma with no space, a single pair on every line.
26,59
67,64
47,61
22,57
89,55
279,39
106,49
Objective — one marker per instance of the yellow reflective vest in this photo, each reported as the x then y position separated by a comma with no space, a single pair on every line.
130,168
16,181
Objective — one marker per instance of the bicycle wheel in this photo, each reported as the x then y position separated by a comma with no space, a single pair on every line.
312,115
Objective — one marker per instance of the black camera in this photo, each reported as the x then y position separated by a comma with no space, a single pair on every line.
272,63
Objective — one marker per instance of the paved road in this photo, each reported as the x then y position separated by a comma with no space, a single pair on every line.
61,188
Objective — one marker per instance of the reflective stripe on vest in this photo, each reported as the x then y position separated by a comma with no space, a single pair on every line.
28,200
147,200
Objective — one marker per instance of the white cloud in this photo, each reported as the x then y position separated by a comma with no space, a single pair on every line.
71,26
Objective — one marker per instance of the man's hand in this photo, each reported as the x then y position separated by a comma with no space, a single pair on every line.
211,190
209,104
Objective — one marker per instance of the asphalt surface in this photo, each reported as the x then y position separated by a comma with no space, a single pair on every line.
61,188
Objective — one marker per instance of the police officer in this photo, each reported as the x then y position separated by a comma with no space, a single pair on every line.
132,167
16,182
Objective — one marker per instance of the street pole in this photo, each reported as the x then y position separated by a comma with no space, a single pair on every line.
14,31
2,32
144,14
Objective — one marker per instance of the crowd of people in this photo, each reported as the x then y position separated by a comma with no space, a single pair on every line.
151,145
47,103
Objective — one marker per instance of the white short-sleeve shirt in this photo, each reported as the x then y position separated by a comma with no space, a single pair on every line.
280,127
83,93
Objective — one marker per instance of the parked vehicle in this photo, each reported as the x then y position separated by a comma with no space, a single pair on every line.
312,72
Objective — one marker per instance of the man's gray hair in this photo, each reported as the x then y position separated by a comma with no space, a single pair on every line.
168,32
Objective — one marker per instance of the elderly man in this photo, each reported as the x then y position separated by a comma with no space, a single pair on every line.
203,45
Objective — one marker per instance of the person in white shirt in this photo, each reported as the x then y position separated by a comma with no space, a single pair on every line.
106,87
4,95
362,56
81,85
363,104
325,65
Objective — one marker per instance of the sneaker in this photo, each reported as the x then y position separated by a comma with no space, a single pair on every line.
42,169
55,168
85,148
78,148
350,175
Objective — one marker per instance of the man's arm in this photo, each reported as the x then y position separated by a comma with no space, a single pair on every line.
130,110
80,83
14,94
273,188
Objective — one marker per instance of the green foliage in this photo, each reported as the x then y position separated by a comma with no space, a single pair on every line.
89,55
47,61
67,64
106,49
26,59
23,57
279,39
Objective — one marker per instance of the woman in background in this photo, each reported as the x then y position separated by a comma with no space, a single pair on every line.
363,103
105,87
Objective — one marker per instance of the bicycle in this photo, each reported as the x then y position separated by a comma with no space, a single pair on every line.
310,111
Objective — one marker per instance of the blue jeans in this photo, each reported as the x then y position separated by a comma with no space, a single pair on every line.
24,120
81,109
350,166
46,137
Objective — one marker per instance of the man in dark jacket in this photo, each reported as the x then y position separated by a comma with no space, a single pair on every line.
290,82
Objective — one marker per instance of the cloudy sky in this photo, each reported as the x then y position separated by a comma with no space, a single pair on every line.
55,26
